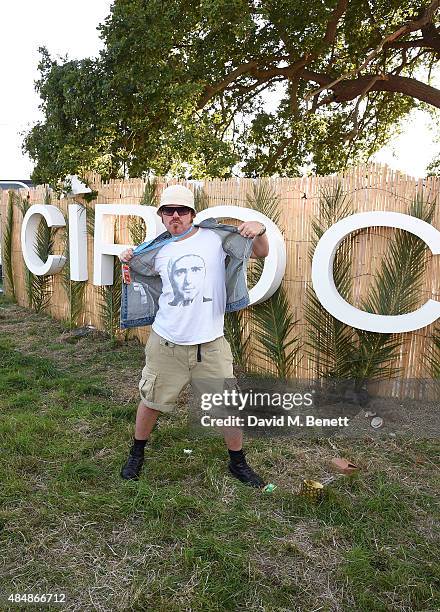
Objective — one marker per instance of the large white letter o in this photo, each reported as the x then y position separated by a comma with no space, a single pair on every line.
274,263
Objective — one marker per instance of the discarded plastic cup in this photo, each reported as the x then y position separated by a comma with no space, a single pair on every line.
312,489
377,422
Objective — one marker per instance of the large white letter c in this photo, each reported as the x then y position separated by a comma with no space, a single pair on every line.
333,302
29,229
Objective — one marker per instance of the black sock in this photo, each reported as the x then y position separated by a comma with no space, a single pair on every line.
138,446
236,456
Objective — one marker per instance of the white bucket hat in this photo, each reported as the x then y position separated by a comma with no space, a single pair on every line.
177,195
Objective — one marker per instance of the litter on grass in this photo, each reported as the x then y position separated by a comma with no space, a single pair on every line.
343,466
376,422
312,490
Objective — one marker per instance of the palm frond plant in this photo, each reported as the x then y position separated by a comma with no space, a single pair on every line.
433,353
272,320
235,335
7,246
344,352
395,291
39,288
263,199
75,290
331,344
42,286
274,325
90,219
136,225
23,205
110,305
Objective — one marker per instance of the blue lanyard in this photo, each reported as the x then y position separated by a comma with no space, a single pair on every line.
148,246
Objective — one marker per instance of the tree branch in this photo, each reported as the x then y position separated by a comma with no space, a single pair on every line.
279,151
347,90
343,88
289,72
211,90
429,40
412,44
248,67
332,24
411,26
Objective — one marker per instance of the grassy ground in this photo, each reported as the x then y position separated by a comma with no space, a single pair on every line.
187,536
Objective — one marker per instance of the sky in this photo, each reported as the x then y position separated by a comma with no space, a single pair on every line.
67,27
64,27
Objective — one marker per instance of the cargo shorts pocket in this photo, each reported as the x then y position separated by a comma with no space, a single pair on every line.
166,347
146,387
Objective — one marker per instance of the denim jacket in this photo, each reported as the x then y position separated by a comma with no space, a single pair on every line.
140,298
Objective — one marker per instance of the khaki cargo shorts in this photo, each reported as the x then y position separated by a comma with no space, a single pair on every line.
170,367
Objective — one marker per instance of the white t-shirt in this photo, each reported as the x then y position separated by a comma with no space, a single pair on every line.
193,299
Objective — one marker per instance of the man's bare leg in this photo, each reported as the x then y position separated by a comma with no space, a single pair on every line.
145,421
233,438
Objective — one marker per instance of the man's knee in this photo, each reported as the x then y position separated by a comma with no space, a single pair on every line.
145,408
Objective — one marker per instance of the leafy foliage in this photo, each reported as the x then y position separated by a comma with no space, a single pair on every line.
433,169
235,335
110,305
344,352
75,290
395,291
7,246
202,89
433,353
331,343
272,319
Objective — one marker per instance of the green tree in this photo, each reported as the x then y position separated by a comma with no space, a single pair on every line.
182,87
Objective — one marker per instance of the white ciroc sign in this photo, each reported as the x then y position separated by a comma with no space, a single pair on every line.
274,265
334,303
105,249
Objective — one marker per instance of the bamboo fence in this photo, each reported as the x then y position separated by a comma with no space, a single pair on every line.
370,188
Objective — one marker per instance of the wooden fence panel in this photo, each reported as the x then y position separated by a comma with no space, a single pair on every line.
369,188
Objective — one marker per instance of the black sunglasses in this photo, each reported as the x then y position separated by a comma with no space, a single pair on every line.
169,211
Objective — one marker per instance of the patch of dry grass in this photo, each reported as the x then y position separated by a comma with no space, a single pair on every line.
187,536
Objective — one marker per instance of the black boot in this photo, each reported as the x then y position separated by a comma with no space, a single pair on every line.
133,466
241,470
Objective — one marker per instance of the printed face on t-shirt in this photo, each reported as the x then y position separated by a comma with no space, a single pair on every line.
187,277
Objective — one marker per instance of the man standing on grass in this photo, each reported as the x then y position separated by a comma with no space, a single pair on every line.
195,274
